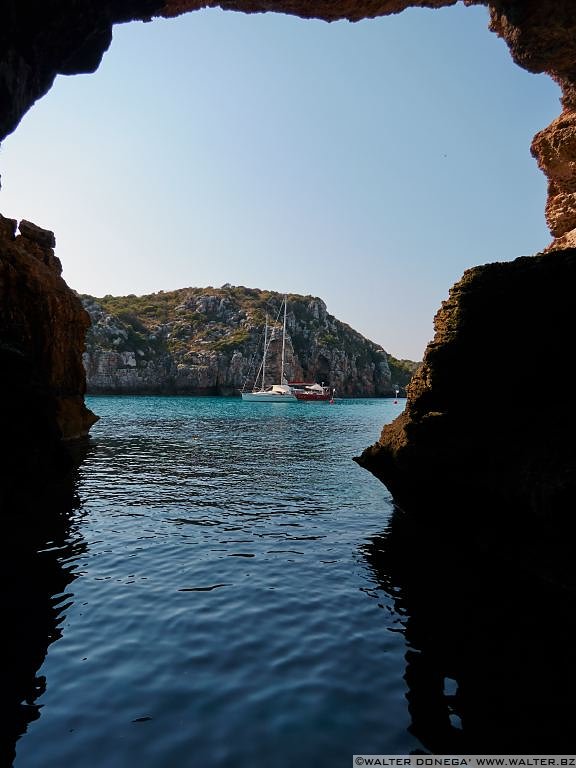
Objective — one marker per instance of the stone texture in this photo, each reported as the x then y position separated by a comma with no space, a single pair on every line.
42,237
42,329
468,445
555,150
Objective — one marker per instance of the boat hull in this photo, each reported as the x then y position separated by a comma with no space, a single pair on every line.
312,392
269,397
312,397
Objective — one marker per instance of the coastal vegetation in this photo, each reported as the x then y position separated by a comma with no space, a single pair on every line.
206,340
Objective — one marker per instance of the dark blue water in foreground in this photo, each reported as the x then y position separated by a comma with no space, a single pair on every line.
218,607
227,588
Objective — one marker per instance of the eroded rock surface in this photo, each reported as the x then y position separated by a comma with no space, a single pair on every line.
555,150
467,445
42,382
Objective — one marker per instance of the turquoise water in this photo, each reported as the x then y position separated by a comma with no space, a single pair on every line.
229,588
210,602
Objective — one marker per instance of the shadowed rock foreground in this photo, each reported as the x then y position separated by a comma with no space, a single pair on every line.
42,329
499,448
490,665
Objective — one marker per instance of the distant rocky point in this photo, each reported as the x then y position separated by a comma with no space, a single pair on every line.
209,340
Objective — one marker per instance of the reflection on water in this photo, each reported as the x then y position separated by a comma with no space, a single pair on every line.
220,599
37,568
490,663
220,613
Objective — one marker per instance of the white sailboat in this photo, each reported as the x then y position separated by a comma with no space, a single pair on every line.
277,393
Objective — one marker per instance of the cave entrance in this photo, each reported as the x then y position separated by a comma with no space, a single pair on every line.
355,162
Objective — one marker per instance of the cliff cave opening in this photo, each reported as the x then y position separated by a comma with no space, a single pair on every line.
278,178
377,209
453,447
278,152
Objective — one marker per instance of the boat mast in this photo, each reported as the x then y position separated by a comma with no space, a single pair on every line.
283,342
264,355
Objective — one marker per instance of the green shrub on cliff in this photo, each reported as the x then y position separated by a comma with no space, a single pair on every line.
192,329
401,371
235,339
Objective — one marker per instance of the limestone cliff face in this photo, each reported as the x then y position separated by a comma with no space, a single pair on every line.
495,449
42,327
210,341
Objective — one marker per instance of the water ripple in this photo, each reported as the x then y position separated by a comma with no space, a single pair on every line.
193,615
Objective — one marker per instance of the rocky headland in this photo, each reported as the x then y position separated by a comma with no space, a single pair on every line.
203,341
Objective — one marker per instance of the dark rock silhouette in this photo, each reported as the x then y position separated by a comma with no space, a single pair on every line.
36,570
502,449
490,667
42,328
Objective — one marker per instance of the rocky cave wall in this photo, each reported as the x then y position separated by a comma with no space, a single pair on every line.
466,441
70,36
42,330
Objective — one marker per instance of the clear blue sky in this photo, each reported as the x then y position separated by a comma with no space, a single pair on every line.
369,164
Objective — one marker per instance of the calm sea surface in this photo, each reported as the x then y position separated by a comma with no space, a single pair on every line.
230,589
212,603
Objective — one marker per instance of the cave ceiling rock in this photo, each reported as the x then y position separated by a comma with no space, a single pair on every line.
71,36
